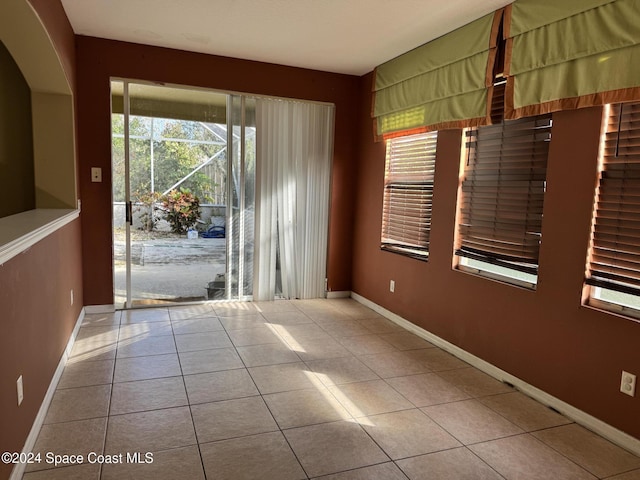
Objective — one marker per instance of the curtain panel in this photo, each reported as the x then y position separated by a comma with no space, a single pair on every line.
294,147
445,83
570,54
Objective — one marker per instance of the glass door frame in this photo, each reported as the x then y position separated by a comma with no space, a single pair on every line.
236,157
128,204
236,222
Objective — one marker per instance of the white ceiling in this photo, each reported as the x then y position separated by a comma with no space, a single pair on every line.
343,36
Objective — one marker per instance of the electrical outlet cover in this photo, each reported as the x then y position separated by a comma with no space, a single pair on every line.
628,384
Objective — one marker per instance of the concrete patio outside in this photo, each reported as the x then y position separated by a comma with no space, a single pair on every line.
169,268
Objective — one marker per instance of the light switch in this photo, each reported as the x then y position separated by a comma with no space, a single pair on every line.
96,174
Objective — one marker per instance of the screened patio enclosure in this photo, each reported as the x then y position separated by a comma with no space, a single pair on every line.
173,152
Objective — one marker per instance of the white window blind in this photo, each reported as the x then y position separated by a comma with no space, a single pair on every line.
408,193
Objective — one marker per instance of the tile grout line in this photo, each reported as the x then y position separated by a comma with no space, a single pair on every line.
483,461
264,402
339,402
424,413
113,375
563,455
362,429
186,393
271,413
419,409
305,363
525,431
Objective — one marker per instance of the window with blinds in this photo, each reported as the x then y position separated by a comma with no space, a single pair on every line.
615,254
408,194
503,186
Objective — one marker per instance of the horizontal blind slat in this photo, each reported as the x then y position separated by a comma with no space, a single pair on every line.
503,192
615,259
408,193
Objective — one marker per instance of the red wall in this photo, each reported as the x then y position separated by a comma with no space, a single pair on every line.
36,323
545,337
36,318
99,60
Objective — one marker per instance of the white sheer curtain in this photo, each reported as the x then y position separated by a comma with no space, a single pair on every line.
294,147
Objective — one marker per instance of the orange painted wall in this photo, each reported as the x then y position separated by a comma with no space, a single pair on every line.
36,317
545,337
36,323
99,60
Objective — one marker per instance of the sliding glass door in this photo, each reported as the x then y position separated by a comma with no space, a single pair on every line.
183,194
201,178
241,194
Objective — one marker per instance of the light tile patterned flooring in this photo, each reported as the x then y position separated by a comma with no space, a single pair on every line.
298,389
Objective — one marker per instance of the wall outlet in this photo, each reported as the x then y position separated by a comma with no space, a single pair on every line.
628,384
72,297
20,390
392,286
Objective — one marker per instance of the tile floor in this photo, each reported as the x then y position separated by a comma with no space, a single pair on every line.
294,390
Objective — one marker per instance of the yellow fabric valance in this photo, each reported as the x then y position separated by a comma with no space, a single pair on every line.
442,84
570,54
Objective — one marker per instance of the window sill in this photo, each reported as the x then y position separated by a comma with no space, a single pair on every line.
497,277
603,306
21,231
406,253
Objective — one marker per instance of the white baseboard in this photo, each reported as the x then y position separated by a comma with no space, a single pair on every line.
99,309
594,424
18,470
339,294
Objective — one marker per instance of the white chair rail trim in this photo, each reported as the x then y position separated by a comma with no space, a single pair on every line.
21,231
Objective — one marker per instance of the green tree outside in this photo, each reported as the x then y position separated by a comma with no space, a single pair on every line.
179,147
